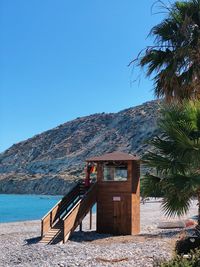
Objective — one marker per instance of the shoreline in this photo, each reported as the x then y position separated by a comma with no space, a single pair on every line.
31,194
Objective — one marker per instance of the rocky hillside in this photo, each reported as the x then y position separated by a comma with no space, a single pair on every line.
49,162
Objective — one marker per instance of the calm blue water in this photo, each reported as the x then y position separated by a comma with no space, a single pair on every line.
25,207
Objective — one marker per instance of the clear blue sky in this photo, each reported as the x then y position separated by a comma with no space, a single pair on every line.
68,58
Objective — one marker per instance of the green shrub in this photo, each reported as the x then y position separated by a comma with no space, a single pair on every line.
193,260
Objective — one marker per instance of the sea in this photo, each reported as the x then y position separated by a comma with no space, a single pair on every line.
15,208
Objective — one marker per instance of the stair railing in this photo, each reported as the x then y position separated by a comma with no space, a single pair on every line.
53,216
75,216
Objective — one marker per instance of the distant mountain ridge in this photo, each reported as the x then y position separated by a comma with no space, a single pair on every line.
49,162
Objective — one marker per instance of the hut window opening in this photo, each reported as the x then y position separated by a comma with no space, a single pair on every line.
115,173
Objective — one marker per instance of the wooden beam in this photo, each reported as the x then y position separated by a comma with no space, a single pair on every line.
90,219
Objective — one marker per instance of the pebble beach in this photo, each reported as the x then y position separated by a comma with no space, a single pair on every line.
19,243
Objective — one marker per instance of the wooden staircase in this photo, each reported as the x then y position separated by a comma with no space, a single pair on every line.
54,235
61,221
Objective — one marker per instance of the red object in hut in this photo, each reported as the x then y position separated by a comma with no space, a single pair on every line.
89,170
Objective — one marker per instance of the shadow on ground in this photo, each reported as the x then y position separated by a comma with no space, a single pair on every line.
168,233
88,236
33,240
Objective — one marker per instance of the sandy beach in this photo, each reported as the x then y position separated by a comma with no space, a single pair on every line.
19,244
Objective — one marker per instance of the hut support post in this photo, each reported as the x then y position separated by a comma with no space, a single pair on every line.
90,219
81,227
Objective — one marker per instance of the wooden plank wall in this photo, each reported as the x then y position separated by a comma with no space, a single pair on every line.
135,197
118,217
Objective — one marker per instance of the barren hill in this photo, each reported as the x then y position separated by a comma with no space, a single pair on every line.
50,161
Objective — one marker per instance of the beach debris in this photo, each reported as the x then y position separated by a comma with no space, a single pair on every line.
190,223
111,260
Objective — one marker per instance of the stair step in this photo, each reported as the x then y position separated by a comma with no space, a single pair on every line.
45,241
50,236
51,233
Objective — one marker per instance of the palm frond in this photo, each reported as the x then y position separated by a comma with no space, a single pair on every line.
176,206
174,58
175,157
151,185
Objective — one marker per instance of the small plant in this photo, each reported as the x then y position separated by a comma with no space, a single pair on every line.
192,260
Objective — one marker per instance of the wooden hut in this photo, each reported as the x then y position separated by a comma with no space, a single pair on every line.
118,193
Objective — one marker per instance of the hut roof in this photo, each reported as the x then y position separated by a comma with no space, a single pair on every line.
114,156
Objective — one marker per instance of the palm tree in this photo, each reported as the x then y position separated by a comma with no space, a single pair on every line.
174,158
174,59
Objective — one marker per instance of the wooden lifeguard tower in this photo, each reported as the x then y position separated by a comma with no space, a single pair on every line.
118,193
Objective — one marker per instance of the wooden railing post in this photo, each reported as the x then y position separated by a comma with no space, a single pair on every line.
51,219
81,227
42,228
